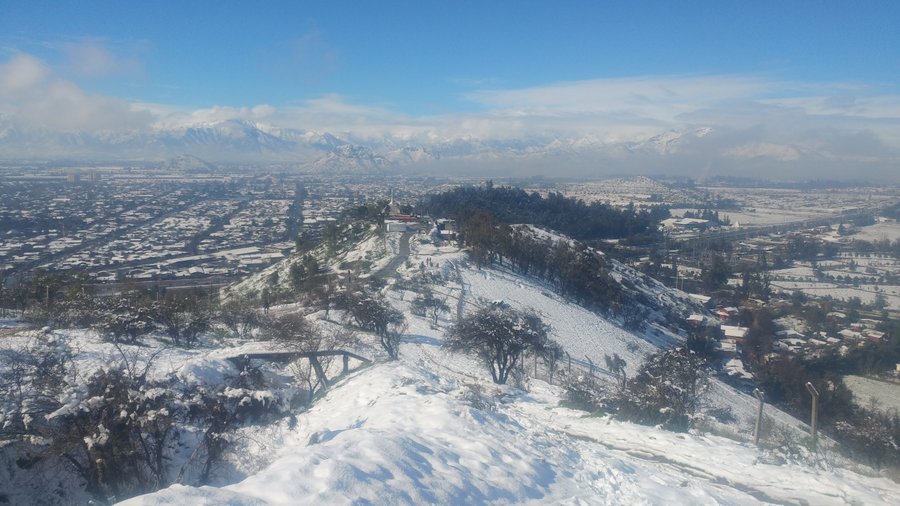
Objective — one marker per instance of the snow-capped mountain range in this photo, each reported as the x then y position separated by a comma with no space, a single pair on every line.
248,141
687,151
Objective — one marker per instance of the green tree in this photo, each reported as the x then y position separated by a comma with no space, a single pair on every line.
716,273
667,390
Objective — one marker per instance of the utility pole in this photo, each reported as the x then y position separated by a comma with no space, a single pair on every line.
760,395
815,405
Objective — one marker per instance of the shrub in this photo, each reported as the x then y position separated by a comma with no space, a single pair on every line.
591,396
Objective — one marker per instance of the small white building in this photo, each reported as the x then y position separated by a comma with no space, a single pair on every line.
734,332
683,223
696,320
396,226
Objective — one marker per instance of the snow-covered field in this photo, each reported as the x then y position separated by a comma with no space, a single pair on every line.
866,293
588,336
763,217
373,251
869,392
889,231
759,216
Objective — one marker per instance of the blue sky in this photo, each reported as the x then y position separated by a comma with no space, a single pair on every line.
782,79
424,57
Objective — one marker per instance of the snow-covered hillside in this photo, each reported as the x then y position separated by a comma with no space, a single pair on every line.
402,433
431,428
362,250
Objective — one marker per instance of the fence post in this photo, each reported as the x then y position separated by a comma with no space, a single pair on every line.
591,364
320,372
346,363
815,405
570,364
760,395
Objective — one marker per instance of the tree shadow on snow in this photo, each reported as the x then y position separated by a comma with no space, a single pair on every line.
419,339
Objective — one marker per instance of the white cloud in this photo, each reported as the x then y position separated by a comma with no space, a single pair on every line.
752,118
308,58
879,106
614,107
97,58
63,106
19,74
652,98
34,97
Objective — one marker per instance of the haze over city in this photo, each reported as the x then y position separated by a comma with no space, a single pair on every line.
797,91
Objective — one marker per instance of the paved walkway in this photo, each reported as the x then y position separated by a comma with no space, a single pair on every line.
390,269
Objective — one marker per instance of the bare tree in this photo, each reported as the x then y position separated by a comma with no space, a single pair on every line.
32,380
182,318
126,321
375,314
551,353
290,328
427,303
392,336
303,371
239,316
616,365
120,436
499,336
325,293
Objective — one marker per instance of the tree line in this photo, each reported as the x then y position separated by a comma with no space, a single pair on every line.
573,217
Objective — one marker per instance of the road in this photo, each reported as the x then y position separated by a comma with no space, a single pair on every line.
391,268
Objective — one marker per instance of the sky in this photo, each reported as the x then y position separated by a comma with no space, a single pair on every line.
822,76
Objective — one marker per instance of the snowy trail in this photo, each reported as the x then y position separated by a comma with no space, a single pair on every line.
396,261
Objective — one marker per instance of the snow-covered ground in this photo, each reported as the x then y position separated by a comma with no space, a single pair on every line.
400,433
374,251
764,217
868,392
432,428
587,336
866,293
887,231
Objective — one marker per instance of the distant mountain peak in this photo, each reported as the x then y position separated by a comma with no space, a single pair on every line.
187,163
350,159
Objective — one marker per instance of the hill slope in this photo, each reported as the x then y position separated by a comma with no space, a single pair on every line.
432,428
399,433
